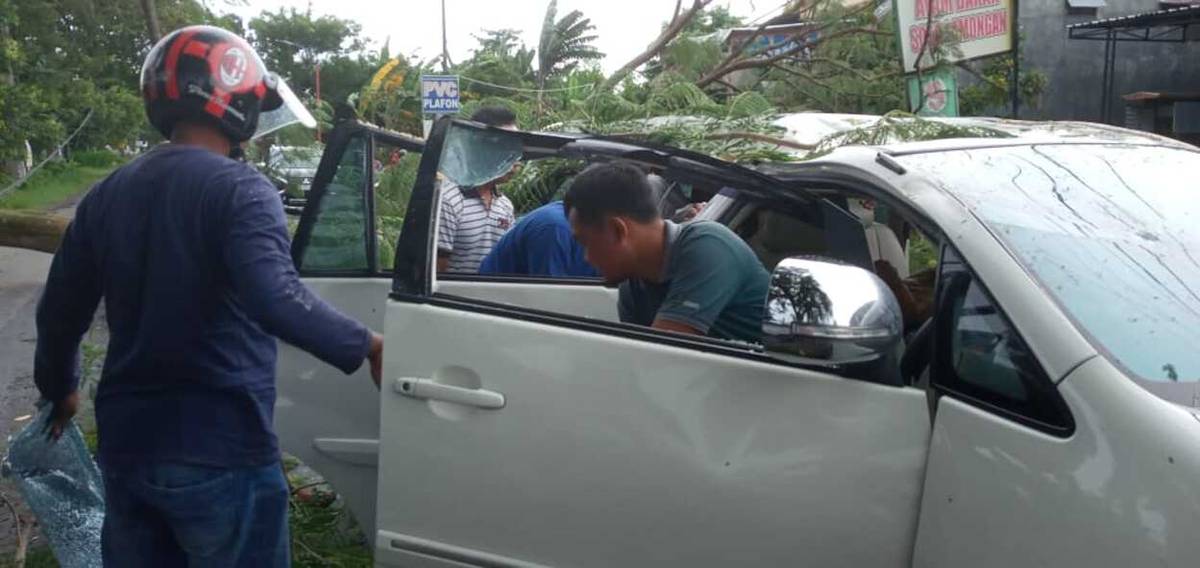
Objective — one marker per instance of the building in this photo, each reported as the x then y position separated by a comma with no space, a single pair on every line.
1076,67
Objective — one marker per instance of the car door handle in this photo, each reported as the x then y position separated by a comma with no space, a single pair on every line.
426,389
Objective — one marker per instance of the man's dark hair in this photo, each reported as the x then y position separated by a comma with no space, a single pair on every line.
494,116
611,189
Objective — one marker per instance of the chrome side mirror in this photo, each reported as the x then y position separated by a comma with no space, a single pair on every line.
828,314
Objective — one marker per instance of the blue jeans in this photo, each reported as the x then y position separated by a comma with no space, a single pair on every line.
165,514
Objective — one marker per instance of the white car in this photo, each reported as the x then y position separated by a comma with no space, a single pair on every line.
1022,416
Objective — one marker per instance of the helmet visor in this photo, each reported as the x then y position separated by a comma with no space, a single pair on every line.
290,111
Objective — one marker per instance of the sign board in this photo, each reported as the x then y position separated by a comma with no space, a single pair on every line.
982,27
439,94
938,90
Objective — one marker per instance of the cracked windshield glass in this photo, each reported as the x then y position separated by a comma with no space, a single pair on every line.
1110,231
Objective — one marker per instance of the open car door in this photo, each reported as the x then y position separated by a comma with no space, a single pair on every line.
343,248
522,435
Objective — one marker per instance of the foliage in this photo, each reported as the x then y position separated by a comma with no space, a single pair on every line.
322,533
390,99
392,193
539,182
898,126
854,73
698,47
991,92
53,185
294,43
58,59
564,43
500,59
97,158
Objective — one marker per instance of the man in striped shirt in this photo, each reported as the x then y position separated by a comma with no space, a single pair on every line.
473,219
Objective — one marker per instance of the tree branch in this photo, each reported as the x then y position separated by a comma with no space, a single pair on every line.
152,26
736,62
963,65
758,62
924,47
758,138
850,69
673,29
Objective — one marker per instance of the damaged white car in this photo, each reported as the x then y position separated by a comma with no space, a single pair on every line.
1030,402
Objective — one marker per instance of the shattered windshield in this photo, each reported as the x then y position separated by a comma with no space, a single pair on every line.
1110,230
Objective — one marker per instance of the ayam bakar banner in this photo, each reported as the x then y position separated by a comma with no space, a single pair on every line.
984,27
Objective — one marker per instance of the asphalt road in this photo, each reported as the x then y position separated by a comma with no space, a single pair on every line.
22,275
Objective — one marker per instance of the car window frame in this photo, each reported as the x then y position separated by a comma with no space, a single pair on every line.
1046,411
415,273
337,143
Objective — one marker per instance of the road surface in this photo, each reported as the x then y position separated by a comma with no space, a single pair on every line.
22,275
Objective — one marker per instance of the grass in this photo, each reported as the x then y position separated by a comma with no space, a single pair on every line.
53,185
39,557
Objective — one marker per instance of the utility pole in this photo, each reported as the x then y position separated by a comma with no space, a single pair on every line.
445,47
1016,57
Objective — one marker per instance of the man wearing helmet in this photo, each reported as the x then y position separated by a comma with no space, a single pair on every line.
190,251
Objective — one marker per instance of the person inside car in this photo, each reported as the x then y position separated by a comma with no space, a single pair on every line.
473,219
698,278
540,244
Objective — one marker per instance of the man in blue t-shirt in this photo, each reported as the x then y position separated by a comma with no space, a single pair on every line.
540,244
189,250
698,278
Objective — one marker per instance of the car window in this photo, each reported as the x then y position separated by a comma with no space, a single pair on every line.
981,358
395,174
983,348
337,242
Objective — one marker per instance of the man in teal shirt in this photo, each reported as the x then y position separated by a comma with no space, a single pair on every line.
698,278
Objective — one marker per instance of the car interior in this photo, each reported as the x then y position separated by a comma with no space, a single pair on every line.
830,223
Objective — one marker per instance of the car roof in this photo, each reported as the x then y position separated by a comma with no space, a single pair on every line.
810,129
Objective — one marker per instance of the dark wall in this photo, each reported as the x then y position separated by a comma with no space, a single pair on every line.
1075,68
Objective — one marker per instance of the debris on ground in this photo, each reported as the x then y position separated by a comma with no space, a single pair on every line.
61,484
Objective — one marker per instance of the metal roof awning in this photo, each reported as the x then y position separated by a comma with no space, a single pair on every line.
1084,4
1170,25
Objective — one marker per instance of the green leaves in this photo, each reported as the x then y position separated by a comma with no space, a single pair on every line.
563,44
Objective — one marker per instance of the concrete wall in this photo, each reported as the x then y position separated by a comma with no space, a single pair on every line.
1075,68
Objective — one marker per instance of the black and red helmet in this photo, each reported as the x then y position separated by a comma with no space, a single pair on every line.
207,73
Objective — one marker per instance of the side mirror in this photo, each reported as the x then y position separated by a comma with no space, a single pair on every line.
837,316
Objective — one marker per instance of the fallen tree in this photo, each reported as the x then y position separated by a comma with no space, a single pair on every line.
32,230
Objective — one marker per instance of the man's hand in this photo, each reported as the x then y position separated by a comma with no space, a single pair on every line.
375,356
61,414
688,212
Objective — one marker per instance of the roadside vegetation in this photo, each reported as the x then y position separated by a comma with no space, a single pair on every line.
60,181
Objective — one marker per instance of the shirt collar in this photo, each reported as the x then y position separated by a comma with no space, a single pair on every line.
473,192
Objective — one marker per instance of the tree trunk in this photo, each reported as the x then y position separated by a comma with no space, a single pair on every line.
15,168
668,34
152,26
32,230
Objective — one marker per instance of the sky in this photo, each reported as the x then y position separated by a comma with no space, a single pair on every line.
624,27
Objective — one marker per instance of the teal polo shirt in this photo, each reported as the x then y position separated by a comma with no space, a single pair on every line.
711,281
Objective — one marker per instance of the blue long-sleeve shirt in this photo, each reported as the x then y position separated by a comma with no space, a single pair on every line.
540,244
190,252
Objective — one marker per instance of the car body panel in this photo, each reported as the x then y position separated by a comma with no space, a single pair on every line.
326,419
614,451
1121,491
